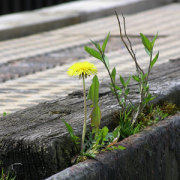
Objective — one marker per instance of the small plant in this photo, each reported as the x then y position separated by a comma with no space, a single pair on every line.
4,113
151,115
6,176
127,128
82,69
129,125
129,121
74,138
99,139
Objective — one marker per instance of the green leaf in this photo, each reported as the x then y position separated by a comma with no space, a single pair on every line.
141,75
152,98
99,48
93,52
147,44
147,87
109,136
147,99
136,78
154,39
154,60
70,130
144,87
105,58
97,45
144,76
93,95
116,132
100,136
127,91
121,147
104,133
149,96
118,88
115,148
105,42
113,74
107,149
123,100
119,93
122,81
95,119
147,51
91,106
91,155
127,82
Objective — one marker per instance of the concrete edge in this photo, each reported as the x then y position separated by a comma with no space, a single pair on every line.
117,164
114,165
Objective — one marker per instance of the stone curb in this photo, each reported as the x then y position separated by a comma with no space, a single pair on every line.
27,23
154,153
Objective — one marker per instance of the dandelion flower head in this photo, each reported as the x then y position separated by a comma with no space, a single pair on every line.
82,69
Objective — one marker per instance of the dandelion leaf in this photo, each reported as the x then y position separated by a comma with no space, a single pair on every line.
93,95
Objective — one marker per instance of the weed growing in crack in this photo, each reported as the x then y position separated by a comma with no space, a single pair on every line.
131,118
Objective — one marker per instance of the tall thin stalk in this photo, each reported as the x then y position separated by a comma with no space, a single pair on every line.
113,84
85,115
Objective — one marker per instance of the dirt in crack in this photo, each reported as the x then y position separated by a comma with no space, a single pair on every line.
42,62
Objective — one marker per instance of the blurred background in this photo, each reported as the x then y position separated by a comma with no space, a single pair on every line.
12,6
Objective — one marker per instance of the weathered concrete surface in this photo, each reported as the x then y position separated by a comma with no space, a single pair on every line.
37,137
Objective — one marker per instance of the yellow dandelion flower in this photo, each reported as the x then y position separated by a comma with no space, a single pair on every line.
82,69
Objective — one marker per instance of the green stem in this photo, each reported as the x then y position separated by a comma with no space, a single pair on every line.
85,115
112,82
149,69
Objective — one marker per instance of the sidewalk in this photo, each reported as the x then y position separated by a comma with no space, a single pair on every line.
50,84
31,22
